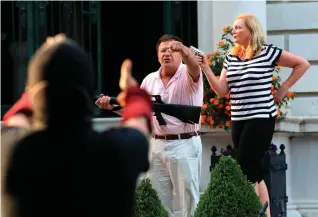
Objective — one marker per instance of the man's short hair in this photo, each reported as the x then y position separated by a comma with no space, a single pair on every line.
167,37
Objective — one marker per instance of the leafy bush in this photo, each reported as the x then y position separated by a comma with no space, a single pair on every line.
229,193
148,203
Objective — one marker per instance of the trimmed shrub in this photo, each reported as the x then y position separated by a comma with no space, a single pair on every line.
229,193
148,203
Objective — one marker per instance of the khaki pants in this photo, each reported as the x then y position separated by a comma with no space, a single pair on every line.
175,174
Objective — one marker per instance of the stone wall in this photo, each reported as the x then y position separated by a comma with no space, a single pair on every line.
293,26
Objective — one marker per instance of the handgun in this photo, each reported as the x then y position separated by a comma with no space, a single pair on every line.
196,51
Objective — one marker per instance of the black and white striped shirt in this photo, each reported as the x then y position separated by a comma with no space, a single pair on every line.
250,83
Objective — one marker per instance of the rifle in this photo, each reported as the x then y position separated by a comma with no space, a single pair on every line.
185,113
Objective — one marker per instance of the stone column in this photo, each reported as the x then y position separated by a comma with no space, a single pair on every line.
214,15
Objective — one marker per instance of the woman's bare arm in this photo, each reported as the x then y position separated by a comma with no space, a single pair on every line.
299,65
220,87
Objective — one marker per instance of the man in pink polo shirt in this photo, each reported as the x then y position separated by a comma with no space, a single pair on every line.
176,147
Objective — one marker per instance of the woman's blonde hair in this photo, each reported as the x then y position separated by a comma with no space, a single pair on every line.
257,38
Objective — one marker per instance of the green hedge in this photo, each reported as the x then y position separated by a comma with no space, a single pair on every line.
148,203
229,193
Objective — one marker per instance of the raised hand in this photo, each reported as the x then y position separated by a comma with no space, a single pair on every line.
103,102
202,61
176,46
126,81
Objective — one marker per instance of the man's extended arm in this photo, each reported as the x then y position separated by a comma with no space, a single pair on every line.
189,59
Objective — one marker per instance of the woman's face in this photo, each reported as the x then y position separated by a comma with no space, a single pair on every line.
240,32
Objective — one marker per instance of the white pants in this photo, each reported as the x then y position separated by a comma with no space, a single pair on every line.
175,174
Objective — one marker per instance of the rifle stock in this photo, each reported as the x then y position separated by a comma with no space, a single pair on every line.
185,113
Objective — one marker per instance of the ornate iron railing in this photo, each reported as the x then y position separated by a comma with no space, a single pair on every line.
33,21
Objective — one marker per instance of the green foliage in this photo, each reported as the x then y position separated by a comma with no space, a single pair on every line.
148,203
229,193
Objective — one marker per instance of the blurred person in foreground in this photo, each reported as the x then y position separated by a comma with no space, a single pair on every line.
247,75
16,124
65,168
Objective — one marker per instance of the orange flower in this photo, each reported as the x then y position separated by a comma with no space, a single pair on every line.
227,96
216,102
211,120
221,43
272,88
203,118
274,77
215,53
290,94
228,108
204,106
228,124
226,29
211,100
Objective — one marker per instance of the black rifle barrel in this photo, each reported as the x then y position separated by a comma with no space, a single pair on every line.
185,113
113,101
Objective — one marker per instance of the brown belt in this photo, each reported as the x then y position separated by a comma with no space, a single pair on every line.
176,136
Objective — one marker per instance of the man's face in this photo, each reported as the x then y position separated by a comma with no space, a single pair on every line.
166,57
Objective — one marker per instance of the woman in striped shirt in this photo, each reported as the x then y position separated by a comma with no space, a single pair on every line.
247,74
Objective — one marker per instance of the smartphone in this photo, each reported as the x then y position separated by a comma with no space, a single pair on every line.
196,51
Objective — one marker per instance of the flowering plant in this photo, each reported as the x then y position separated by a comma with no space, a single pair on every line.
216,111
